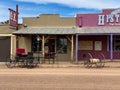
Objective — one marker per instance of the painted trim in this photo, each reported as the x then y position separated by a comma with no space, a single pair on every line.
6,35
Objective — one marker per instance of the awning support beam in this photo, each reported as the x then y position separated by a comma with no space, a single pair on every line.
72,45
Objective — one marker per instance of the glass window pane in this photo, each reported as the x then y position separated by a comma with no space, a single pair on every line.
36,45
117,44
62,45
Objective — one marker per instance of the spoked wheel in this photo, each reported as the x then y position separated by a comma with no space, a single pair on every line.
98,64
10,61
87,63
32,62
21,63
35,61
101,62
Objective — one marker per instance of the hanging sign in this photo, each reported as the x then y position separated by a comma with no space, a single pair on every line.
13,18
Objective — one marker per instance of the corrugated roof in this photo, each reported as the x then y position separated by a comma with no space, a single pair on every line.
61,31
99,30
46,31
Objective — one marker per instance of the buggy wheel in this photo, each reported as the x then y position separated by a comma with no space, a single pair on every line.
10,61
35,61
98,64
102,60
30,63
102,63
87,63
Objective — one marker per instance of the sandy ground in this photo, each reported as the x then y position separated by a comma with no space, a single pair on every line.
61,77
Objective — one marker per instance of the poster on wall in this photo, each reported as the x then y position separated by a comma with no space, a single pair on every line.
85,45
98,45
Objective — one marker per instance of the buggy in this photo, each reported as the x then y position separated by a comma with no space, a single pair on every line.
22,59
89,60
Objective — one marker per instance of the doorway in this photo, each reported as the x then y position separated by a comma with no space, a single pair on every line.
50,45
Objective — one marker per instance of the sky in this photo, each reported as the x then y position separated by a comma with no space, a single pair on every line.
66,8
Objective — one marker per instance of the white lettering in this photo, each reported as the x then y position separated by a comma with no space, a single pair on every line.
109,18
117,18
14,17
101,19
112,18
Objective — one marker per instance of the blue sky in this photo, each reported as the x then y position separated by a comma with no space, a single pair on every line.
66,8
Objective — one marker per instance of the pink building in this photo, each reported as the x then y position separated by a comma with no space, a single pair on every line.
99,33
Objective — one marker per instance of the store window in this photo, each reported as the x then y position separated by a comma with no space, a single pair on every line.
62,45
117,44
36,44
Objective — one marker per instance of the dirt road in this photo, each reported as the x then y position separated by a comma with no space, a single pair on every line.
60,79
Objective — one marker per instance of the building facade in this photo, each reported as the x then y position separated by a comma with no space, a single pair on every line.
48,33
70,37
99,33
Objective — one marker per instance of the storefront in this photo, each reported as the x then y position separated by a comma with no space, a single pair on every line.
99,33
48,33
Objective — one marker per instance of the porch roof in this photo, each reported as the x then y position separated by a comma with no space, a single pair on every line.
46,31
98,30
62,31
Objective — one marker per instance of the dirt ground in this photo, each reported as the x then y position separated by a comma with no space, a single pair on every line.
65,76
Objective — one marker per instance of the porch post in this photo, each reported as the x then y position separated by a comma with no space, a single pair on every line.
12,45
43,46
72,48
76,49
111,47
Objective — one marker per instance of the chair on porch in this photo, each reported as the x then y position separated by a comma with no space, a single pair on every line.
51,56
